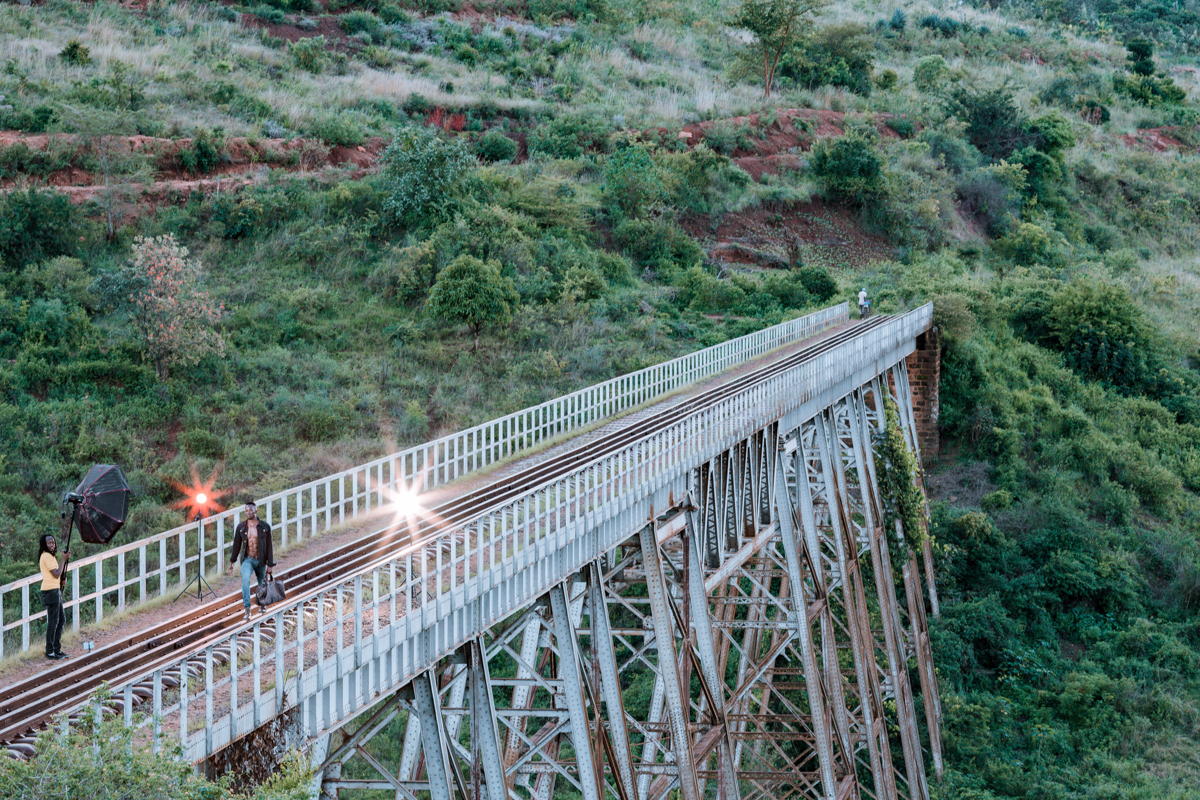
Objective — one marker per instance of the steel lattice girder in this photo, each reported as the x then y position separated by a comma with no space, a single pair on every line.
740,645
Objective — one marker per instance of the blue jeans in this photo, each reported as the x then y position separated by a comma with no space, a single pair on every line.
251,566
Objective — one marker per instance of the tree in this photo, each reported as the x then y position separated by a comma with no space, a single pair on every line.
35,226
423,170
474,292
105,131
777,25
172,317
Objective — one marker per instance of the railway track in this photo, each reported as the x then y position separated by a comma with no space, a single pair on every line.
30,705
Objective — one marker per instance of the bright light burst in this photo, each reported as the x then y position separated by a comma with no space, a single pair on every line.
200,497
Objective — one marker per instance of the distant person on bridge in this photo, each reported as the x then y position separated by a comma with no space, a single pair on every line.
864,304
259,557
52,593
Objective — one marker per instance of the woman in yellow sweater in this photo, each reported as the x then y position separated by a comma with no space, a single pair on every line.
52,593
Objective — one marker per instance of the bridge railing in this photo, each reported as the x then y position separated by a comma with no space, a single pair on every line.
147,568
351,643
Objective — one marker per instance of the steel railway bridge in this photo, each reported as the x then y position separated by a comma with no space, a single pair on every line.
705,598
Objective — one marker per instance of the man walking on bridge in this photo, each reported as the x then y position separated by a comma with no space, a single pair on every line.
259,557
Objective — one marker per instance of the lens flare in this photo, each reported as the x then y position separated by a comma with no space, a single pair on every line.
200,497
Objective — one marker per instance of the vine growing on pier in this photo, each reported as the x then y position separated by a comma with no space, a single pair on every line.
899,475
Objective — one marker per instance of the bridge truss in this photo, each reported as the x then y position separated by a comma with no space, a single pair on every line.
760,634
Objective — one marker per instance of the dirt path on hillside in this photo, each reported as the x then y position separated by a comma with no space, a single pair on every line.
242,162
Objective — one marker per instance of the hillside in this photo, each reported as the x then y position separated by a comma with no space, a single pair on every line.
612,174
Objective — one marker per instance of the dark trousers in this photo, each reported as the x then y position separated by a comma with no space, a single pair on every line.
52,600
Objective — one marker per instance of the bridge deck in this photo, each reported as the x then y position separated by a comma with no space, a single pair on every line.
137,622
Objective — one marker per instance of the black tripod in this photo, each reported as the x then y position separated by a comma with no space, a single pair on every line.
201,584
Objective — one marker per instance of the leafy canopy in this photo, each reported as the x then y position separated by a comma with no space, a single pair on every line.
473,292
160,290
424,171
777,26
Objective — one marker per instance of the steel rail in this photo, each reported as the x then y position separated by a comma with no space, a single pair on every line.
162,643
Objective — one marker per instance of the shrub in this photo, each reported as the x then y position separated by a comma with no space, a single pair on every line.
268,14
569,136
995,125
379,57
338,129
35,226
700,291
887,80
848,168
957,155
359,22
495,147
1149,90
423,170
658,244
989,199
583,284
394,15
309,54
203,154
76,54
727,137
317,419
1027,244
930,73
818,283
839,55
631,183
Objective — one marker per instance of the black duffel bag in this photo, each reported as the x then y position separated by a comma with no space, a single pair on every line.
271,592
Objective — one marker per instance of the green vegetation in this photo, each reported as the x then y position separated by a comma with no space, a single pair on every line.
568,184
106,761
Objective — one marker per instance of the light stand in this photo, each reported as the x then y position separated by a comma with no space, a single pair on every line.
74,500
201,583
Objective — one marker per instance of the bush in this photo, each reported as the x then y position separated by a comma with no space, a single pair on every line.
379,57
658,244
930,73
727,137
494,147
268,14
819,283
203,154
35,226
887,80
848,168
1027,244
571,135
309,54
359,22
995,124
76,54
839,55
631,183
424,171
1149,90
957,155
339,129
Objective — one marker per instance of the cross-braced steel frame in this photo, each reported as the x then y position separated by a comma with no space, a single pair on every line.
763,638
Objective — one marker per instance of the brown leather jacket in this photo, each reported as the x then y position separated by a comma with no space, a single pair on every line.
266,552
